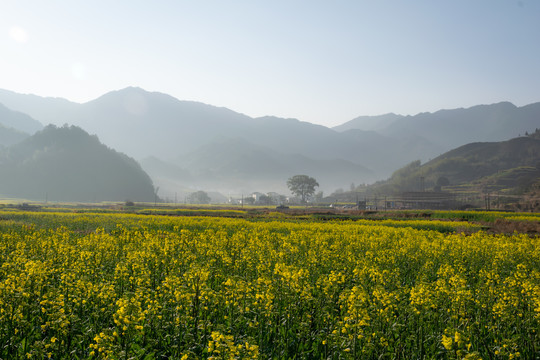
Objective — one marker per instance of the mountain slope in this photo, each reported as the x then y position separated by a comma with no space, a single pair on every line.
46,110
230,162
67,164
10,136
368,123
18,121
456,127
142,123
507,165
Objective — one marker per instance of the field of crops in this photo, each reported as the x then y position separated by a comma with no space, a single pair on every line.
133,286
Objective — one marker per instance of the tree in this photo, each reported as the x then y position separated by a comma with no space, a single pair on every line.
265,200
302,186
443,181
199,197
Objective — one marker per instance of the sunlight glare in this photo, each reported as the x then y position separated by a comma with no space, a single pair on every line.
18,34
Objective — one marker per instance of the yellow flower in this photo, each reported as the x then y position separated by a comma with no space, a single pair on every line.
447,342
457,337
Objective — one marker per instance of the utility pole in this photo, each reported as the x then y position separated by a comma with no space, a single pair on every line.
487,201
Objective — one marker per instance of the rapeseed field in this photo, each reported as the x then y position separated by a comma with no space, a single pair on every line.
126,286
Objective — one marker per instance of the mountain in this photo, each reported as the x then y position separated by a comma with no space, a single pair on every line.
368,123
510,166
453,128
162,169
10,136
190,143
142,123
385,153
67,164
18,121
46,110
15,126
145,124
229,162
135,121
149,124
172,180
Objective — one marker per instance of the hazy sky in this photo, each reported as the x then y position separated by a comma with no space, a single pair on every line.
325,62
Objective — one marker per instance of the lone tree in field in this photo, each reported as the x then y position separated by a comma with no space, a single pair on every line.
302,186
199,197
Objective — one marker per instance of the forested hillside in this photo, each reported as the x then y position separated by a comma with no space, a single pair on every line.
67,164
511,166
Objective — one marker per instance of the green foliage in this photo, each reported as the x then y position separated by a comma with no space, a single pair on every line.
406,177
302,186
443,181
535,134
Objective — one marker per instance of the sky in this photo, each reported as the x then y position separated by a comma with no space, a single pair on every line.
324,62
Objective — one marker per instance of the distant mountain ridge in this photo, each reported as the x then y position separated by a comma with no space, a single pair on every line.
18,121
46,110
368,123
186,138
456,127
